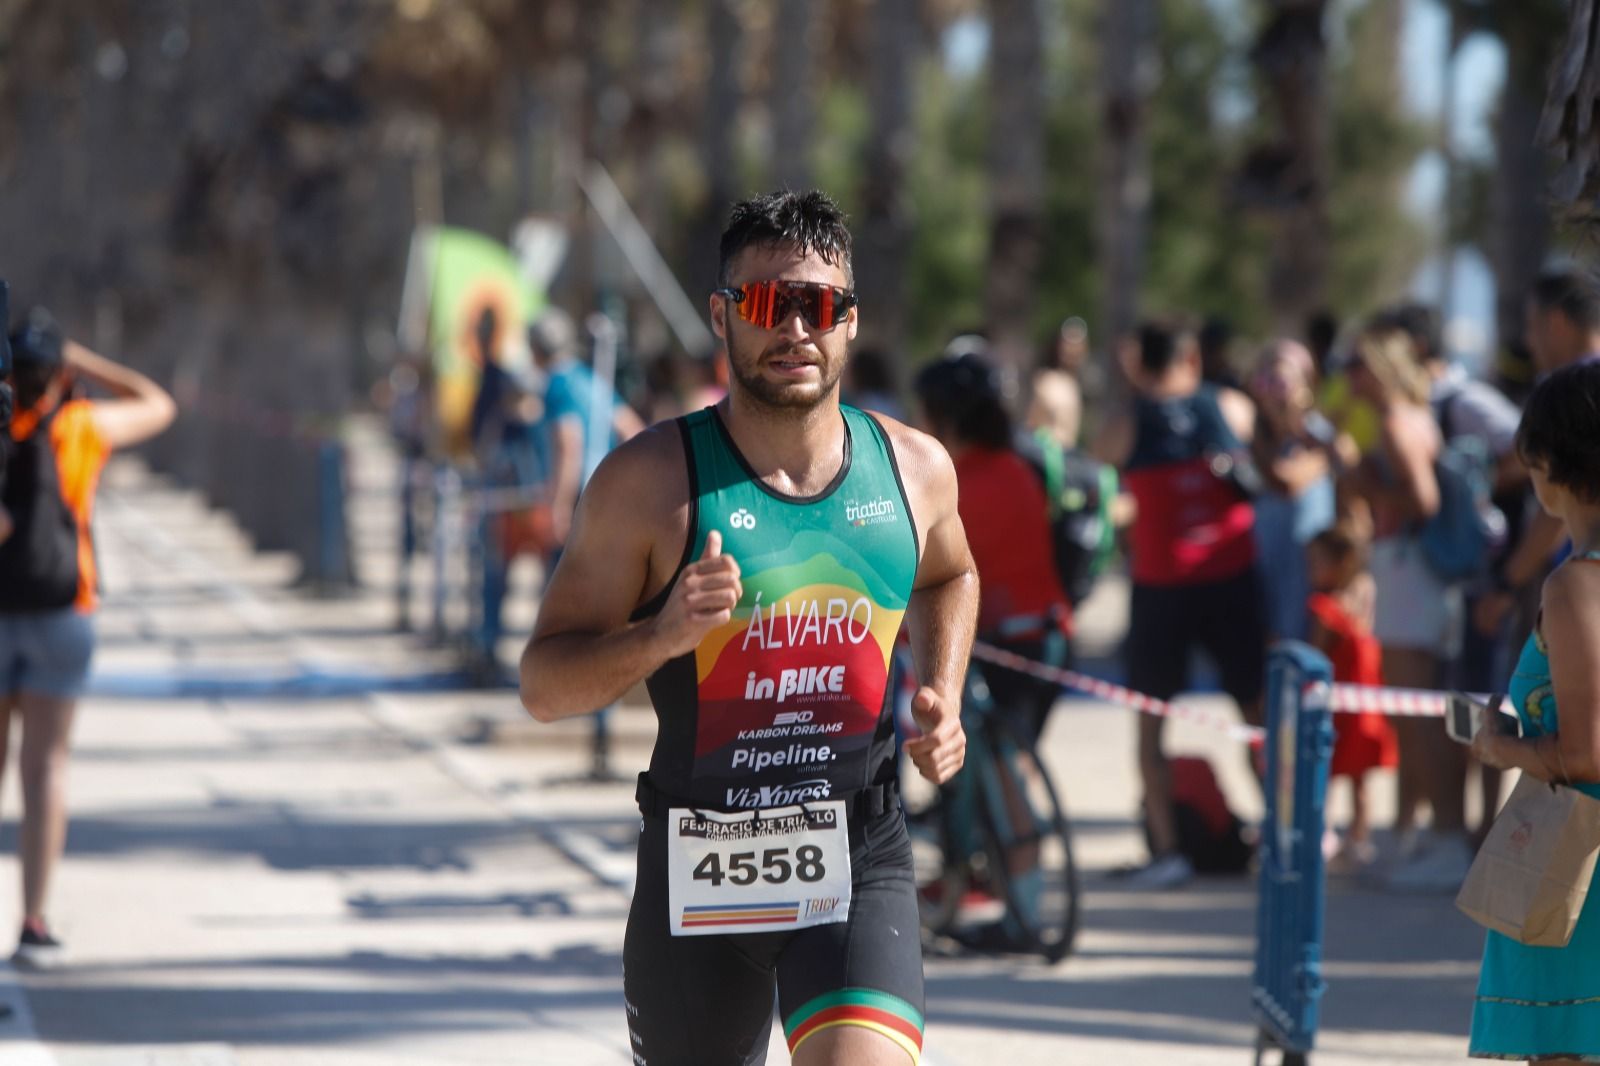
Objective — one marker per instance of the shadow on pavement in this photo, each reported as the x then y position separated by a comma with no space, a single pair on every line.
1376,983
287,839
74,1007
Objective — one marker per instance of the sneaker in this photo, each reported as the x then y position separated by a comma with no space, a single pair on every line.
1352,858
1168,871
1438,867
36,948
976,894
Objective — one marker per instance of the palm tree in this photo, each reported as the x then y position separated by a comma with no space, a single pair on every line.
885,237
791,91
1127,77
1016,179
719,110
1291,172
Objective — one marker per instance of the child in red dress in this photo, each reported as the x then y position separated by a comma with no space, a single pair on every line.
1341,628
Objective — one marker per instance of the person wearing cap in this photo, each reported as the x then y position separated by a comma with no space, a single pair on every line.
48,579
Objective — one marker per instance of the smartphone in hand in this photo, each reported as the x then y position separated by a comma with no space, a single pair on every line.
1464,716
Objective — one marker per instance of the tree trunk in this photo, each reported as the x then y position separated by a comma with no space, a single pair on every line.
1520,213
1127,77
885,234
791,94
1291,55
719,114
1016,183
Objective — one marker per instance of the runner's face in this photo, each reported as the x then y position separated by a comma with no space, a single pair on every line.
792,365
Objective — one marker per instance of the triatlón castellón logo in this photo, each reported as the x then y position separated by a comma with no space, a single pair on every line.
870,513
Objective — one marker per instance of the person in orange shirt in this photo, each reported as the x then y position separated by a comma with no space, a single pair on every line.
48,577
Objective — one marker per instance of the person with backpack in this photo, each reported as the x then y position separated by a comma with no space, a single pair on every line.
1182,447
1022,606
1418,609
49,586
1479,428
1083,495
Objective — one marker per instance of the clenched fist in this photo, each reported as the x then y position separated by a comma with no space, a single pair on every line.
703,599
942,748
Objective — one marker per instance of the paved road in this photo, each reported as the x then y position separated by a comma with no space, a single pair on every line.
422,878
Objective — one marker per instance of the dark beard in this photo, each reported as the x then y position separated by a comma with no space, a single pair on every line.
781,397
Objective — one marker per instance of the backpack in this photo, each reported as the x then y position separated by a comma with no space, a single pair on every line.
1079,491
39,561
1461,538
1210,835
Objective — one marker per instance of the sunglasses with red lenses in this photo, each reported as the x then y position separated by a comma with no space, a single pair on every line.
767,303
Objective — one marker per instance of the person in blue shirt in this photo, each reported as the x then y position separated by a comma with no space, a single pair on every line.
576,438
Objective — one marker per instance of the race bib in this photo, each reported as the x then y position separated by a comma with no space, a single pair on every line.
758,871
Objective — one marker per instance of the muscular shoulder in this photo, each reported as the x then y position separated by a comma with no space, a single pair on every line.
644,479
923,462
925,468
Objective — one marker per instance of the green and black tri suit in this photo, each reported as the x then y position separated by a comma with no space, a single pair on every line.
787,703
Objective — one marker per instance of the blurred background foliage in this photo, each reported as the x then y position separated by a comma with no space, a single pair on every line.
223,192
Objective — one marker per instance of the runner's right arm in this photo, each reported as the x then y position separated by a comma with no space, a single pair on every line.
631,521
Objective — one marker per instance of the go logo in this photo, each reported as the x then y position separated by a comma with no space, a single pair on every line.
742,519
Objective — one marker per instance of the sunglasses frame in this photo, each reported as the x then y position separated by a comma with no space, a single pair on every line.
844,300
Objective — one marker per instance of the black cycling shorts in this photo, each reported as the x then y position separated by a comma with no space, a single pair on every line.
1225,619
707,1000
1022,700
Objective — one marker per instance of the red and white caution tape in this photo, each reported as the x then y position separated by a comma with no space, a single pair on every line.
1342,698
1395,702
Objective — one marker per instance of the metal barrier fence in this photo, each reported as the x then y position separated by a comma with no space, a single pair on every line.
1288,984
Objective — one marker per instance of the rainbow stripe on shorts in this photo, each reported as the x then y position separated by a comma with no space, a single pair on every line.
866,1007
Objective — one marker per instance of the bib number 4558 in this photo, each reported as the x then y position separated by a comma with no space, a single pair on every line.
775,869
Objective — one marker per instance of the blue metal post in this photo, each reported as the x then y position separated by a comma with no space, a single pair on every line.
332,539
1289,917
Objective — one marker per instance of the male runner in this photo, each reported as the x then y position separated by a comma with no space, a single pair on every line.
754,561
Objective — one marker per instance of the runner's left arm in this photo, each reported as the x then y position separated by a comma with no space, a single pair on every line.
943,613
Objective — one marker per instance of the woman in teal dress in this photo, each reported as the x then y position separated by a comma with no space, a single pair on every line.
1538,1003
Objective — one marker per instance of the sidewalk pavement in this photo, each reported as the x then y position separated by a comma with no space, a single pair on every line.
420,878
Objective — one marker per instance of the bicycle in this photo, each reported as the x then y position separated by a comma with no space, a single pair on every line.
993,848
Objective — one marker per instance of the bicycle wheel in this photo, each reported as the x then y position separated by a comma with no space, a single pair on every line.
1031,845
953,855
941,879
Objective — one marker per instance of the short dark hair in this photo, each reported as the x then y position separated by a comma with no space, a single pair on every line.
962,394
38,353
1322,330
810,220
1345,548
1215,335
1571,294
1160,343
1559,429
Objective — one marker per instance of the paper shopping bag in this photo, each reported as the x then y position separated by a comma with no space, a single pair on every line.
1532,874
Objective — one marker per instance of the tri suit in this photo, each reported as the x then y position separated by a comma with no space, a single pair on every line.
780,713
